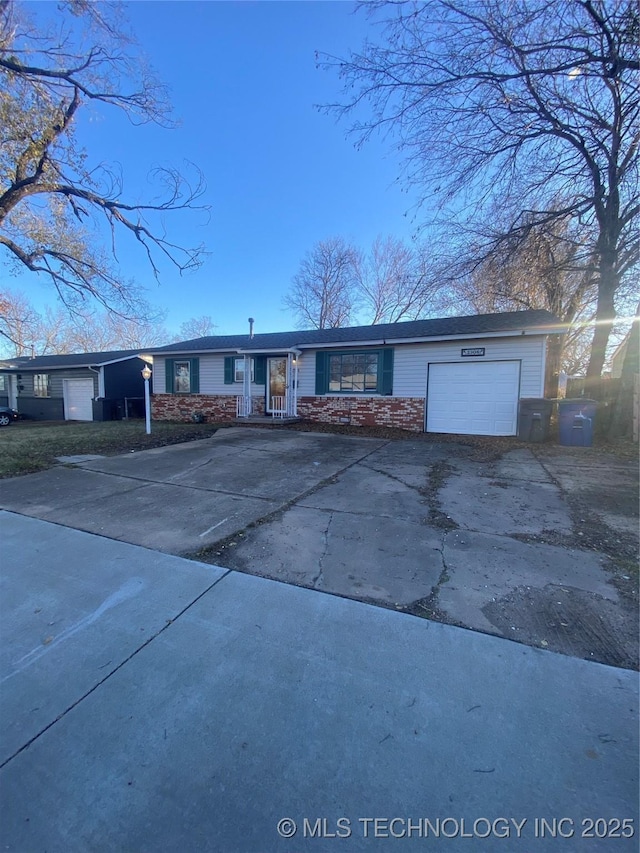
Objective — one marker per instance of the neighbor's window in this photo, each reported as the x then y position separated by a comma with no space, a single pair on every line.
41,385
3,384
182,377
239,370
353,372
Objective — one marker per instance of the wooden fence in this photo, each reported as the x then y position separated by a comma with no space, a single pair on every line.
605,391
636,404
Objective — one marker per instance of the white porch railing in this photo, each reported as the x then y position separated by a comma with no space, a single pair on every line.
243,407
278,407
284,406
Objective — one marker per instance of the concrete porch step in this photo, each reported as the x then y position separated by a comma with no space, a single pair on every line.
265,419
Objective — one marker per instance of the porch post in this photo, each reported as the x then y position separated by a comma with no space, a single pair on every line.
295,385
246,386
288,389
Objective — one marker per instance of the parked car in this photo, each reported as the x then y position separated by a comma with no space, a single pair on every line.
7,415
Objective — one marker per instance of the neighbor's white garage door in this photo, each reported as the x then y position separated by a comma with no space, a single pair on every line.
78,395
473,398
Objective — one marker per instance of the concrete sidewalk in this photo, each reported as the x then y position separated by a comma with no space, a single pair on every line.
151,703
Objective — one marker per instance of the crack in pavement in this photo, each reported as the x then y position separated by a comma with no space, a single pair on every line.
203,554
402,482
70,505
428,606
367,514
168,482
325,535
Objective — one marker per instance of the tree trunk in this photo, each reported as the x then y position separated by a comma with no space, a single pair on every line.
605,316
555,344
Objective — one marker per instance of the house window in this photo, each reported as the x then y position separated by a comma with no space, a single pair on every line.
41,385
239,370
353,372
3,384
234,369
182,376
364,372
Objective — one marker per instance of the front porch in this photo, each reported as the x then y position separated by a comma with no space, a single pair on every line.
280,401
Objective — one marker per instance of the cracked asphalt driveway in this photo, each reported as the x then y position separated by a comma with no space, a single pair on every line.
417,525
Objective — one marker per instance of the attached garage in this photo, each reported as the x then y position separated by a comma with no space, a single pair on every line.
461,375
78,399
473,398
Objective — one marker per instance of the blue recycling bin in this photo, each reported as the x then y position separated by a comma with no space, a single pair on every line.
576,420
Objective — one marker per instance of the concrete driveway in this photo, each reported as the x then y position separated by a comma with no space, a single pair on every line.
419,526
155,704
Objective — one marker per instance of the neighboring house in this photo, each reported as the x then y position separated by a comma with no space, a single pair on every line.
455,375
618,357
81,387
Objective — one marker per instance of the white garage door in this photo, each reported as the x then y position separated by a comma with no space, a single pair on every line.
474,398
78,395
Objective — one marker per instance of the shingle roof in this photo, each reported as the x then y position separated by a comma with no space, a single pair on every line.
473,326
78,359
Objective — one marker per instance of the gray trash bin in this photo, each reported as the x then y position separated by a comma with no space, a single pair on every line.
534,419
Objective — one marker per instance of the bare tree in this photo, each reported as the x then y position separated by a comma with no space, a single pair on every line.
54,205
530,101
392,282
322,292
544,269
196,327
25,332
18,322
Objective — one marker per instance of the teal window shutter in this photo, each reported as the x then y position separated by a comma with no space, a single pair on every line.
229,369
385,372
168,372
260,370
195,375
321,372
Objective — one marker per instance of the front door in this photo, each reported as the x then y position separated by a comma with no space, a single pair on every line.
276,383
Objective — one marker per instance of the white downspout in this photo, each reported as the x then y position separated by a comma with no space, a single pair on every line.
100,372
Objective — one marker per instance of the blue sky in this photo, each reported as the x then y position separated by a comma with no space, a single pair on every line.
280,175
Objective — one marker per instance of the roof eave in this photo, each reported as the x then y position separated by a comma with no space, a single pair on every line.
435,338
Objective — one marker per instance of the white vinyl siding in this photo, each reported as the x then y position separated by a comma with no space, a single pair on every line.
56,378
211,376
412,360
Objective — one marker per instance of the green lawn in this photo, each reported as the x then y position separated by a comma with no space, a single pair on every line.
32,446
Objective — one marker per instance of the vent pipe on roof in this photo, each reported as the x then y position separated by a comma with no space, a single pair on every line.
251,322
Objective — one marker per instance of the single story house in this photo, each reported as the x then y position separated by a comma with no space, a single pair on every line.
79,387
460,375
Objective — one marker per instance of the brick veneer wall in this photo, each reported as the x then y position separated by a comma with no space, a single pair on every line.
401,412
220,407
